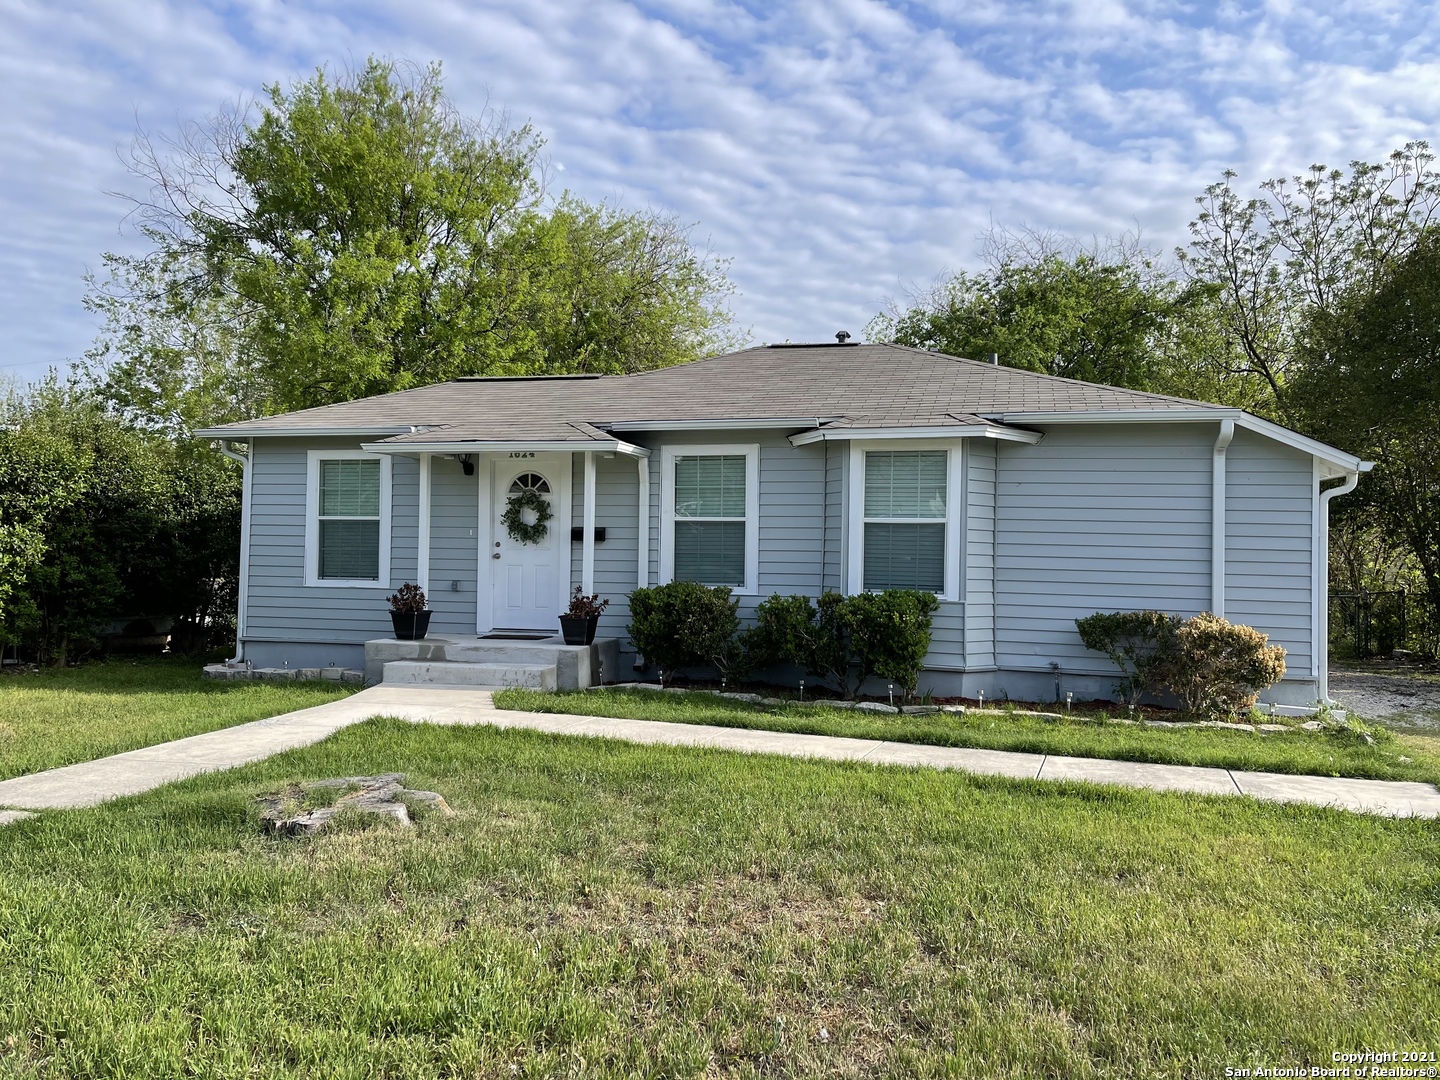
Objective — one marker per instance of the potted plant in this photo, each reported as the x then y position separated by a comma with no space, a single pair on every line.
578,624
408,613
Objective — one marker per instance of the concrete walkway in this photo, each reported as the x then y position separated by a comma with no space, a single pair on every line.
130,773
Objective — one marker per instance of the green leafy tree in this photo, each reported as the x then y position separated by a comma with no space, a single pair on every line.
356,236
114,521
1370,383
1274,261
39,479
1102,314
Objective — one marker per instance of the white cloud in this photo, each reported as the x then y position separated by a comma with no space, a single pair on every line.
835,150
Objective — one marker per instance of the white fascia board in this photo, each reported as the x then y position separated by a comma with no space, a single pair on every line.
973,431
561,446
721,425
240,434
1345,463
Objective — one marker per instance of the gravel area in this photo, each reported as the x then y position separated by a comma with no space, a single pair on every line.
1398,701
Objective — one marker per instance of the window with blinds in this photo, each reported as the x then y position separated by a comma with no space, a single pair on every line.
905,519
710,525
349,520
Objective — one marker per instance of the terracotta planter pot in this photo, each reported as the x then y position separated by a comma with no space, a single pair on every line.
578,631
410,625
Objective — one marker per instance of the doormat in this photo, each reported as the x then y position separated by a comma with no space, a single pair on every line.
516,637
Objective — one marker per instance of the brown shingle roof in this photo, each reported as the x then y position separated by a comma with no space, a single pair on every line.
855,385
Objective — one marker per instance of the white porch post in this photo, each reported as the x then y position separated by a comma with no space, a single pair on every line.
642,536
422,553
587,541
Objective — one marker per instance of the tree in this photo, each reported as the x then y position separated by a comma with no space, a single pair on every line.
1107,313
110,520
1274,261
358,236
1368,380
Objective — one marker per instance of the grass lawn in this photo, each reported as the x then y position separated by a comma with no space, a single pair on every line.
1325,754
78,714
603,909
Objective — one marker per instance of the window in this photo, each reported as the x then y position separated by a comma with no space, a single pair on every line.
905,519
348,498
710,502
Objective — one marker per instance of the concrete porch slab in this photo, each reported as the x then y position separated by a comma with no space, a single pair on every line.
577,667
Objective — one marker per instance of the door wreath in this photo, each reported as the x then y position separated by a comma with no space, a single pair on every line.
521,531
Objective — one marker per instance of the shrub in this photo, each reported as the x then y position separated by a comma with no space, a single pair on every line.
797,630
890,634
685,624
1219,668
1139,643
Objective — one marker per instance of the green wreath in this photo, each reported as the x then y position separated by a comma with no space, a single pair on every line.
515,525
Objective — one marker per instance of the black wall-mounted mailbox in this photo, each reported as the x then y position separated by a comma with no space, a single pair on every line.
577,534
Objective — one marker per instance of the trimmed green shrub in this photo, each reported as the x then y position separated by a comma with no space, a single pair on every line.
1139,643
685,625
890,634
1219,668
797,630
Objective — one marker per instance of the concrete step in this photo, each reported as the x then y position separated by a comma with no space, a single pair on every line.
420,672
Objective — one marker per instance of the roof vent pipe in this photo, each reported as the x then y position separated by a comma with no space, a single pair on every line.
843,336
995,358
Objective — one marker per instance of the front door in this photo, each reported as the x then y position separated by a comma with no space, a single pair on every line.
526,576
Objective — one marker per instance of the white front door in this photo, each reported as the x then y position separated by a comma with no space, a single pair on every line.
527,579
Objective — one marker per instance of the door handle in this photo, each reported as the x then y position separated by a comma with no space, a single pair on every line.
496,555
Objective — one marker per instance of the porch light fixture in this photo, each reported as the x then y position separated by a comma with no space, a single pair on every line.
467,463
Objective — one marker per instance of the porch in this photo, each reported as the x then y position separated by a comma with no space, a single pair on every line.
542,663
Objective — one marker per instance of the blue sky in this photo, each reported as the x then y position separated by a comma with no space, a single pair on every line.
836,152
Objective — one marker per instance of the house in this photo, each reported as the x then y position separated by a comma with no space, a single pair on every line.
1023,501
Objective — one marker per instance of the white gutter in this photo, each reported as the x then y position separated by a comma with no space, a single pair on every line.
969,431
547,446
1321,633
1217,517
243,587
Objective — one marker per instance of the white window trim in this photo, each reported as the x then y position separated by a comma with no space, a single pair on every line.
312,519
954,511
668,454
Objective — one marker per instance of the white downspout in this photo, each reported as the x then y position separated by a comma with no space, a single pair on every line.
1217,518
1322,587
243,587
642,541
587,541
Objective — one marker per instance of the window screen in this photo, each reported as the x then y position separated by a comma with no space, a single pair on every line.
905,519
349,520
710,526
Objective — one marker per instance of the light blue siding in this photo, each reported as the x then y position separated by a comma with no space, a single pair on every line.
979,554
793,514
1269,521
280,606
454,551
837,460
1094,518
617,486
1097,518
